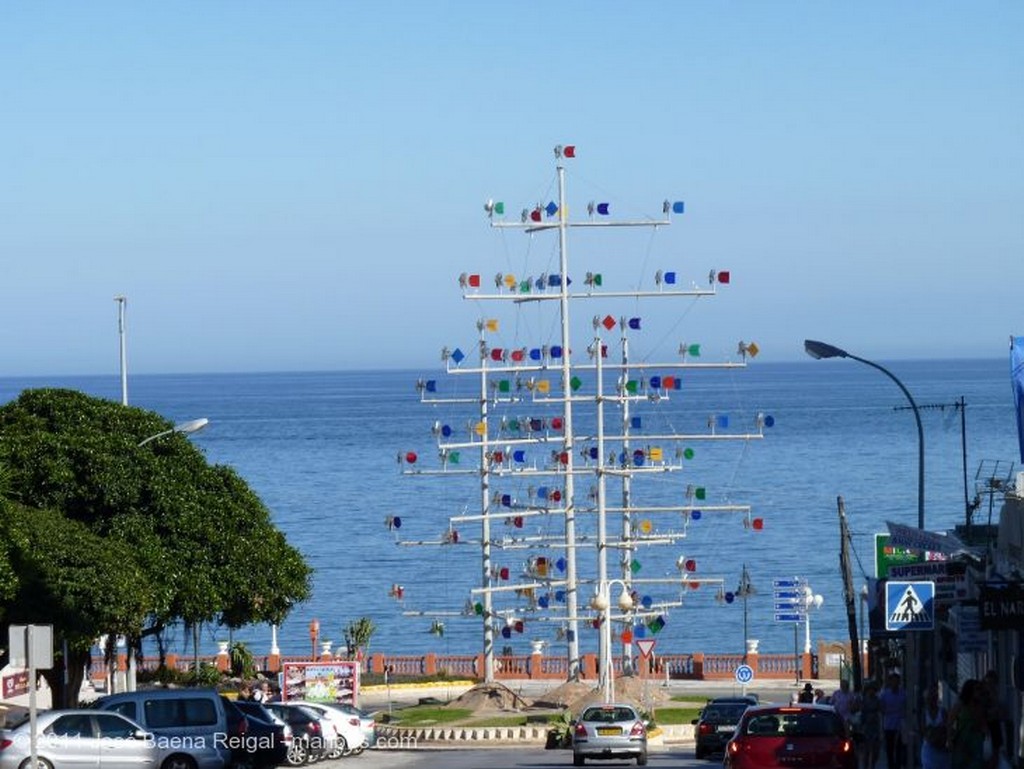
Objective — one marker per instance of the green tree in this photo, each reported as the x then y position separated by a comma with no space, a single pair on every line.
77,581
194,529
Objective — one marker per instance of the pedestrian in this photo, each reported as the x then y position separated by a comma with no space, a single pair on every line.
968,729
259,694
245,692
995,716
935,728
806,695
844,701
894,703
868,731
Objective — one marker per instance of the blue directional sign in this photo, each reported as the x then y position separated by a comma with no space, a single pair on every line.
909,605
789,617
777,583
789,599
744,674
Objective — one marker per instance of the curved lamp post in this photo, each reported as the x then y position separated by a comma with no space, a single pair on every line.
822,350
602,603
189,427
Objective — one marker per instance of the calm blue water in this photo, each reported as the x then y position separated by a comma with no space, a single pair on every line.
321,448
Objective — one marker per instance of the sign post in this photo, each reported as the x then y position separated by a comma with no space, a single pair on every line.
744,675
790,606
646,646
31,647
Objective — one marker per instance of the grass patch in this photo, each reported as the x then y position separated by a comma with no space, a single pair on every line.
694,697
675,716
428,715
498,721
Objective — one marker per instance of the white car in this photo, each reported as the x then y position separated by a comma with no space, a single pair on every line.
351,737
66,738
366,720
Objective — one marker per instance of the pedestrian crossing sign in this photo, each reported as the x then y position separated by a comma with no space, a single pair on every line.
909,605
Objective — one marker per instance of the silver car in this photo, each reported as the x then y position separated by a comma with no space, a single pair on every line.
67,738
609,731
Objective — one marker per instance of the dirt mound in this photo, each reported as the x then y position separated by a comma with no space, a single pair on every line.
635,691
564,695
493,696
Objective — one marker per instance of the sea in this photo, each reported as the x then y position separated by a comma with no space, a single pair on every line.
328,453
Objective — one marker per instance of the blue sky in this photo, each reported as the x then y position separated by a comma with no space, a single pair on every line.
297,185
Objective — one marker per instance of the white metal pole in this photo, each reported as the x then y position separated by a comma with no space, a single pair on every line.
572,585
32,705
605,635
485,528
121,301
807,631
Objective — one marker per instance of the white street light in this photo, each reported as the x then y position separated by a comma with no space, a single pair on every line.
814,601
189,427
601,602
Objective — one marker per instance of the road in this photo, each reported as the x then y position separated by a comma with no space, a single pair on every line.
678,757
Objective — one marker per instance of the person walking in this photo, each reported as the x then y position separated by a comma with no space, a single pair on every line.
868,732
995,716
968,730
894,703
935,728
844,701
806,694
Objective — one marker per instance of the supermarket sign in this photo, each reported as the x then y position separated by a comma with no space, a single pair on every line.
903,564
888,555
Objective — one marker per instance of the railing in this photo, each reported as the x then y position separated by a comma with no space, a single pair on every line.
696,666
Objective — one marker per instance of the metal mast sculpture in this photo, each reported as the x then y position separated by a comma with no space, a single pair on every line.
510,379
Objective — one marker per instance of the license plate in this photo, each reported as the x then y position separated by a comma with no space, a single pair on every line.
727,728
608,731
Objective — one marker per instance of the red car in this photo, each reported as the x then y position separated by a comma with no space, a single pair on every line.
791,737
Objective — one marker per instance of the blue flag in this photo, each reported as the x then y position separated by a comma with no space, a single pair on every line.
1017,379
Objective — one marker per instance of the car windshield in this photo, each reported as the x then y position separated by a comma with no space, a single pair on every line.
795,724
725,713
609,715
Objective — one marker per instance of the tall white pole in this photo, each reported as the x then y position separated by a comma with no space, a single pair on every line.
807,631
572,586
605,636
485,506
121,301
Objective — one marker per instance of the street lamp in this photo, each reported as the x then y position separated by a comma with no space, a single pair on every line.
744,590
811,600
189,427
821,350
602,603
863,619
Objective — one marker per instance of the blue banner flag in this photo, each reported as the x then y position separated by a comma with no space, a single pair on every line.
1017,379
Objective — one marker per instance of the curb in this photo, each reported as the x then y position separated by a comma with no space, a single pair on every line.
498,735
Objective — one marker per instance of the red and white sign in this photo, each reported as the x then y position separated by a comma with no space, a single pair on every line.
321,681
646,646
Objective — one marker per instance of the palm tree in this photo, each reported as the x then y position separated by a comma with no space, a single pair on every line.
358,634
